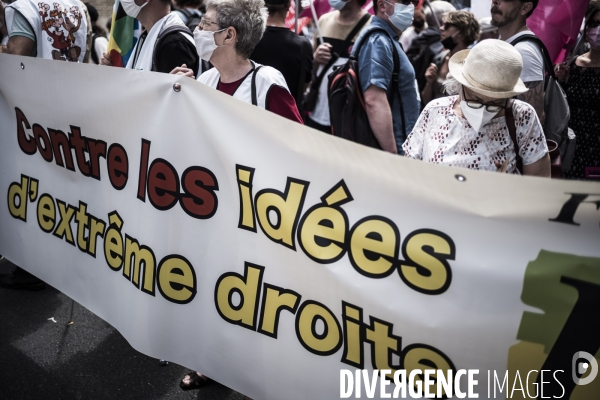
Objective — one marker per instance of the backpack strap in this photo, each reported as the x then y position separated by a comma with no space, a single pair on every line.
186,13
512,131
345,45
545,54
253,85
163,34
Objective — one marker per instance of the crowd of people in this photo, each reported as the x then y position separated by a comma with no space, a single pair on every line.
437,84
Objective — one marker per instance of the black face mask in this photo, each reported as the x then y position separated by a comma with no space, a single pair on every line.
418,24
448,43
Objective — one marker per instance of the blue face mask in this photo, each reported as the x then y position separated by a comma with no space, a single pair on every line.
403,15
337,4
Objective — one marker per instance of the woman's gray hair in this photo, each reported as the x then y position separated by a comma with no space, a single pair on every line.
451,86
248,17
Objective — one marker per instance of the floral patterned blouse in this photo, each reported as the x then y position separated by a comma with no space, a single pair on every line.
442,137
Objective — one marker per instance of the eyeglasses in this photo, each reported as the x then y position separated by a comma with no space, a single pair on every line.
204,23
493,108
447,25
594,23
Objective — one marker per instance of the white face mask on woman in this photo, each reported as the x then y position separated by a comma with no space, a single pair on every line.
205,43
593,37
131,8
477,117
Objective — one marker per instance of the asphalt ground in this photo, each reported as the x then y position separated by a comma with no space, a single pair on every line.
89,359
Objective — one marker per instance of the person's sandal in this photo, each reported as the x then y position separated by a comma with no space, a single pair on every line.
195,381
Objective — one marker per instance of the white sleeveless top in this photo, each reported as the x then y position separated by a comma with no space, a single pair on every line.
265,78
60,29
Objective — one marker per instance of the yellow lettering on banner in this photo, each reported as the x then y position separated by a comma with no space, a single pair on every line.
374,246
15,190
353,336
63,230
287,208
83,221
96,229
323,228
113,242
383,344
176,279
426,268
424,357
274,300
245,176
322,344
137,255
248,288
46,213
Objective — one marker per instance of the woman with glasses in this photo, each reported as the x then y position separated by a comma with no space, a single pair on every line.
583,94
459,30
226,36
472,129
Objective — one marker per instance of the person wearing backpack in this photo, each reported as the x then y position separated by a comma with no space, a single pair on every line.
339,29
391,111
166,42
510,16
190,12
99,40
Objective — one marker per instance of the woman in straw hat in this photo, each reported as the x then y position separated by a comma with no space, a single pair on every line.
470,129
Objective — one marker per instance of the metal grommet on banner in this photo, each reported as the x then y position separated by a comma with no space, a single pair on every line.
22,66
177,87
460,178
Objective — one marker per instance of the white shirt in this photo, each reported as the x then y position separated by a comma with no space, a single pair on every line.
442,137
533,59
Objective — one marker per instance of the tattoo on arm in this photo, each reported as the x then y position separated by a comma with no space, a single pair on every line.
535,97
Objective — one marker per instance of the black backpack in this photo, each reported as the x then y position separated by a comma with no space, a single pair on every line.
192,19
346,102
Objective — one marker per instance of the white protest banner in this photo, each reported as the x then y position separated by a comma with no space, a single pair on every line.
272,257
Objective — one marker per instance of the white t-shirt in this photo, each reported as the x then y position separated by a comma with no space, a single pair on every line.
533,59
442,137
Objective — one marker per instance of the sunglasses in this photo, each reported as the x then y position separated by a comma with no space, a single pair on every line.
407,2
447,25
594,23
494,108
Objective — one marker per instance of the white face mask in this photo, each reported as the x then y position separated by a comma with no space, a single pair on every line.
337,4
205,43
403,15
131,8
477,117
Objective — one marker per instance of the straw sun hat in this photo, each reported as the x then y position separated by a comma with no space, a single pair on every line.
491,68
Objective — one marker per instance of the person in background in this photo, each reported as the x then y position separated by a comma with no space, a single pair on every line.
190,12
99,40
285,51
471,128
418,26
488,31
175,47
335,26
510,16
428,44
390,123
460,29
581,82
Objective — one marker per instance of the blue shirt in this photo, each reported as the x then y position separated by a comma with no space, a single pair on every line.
375,67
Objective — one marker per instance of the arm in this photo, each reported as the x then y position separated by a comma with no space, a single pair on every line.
431,75
175,50
280,101
20,46
380,118
539,168
535,97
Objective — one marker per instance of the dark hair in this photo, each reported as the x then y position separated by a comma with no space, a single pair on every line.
93,13
535,4
277,6
592,9
188,3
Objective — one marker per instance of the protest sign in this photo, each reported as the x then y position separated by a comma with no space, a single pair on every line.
271,257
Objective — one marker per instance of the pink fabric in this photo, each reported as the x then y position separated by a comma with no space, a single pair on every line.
323,7
557,23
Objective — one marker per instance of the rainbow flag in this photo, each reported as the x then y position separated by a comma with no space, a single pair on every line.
124,34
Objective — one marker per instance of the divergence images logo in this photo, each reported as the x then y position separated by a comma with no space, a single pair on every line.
579,368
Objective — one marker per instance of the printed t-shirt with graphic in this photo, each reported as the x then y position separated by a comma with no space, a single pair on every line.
442,137
335,34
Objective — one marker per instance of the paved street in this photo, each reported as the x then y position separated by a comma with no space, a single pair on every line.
43,359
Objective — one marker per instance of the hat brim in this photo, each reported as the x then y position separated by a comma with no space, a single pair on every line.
455,66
